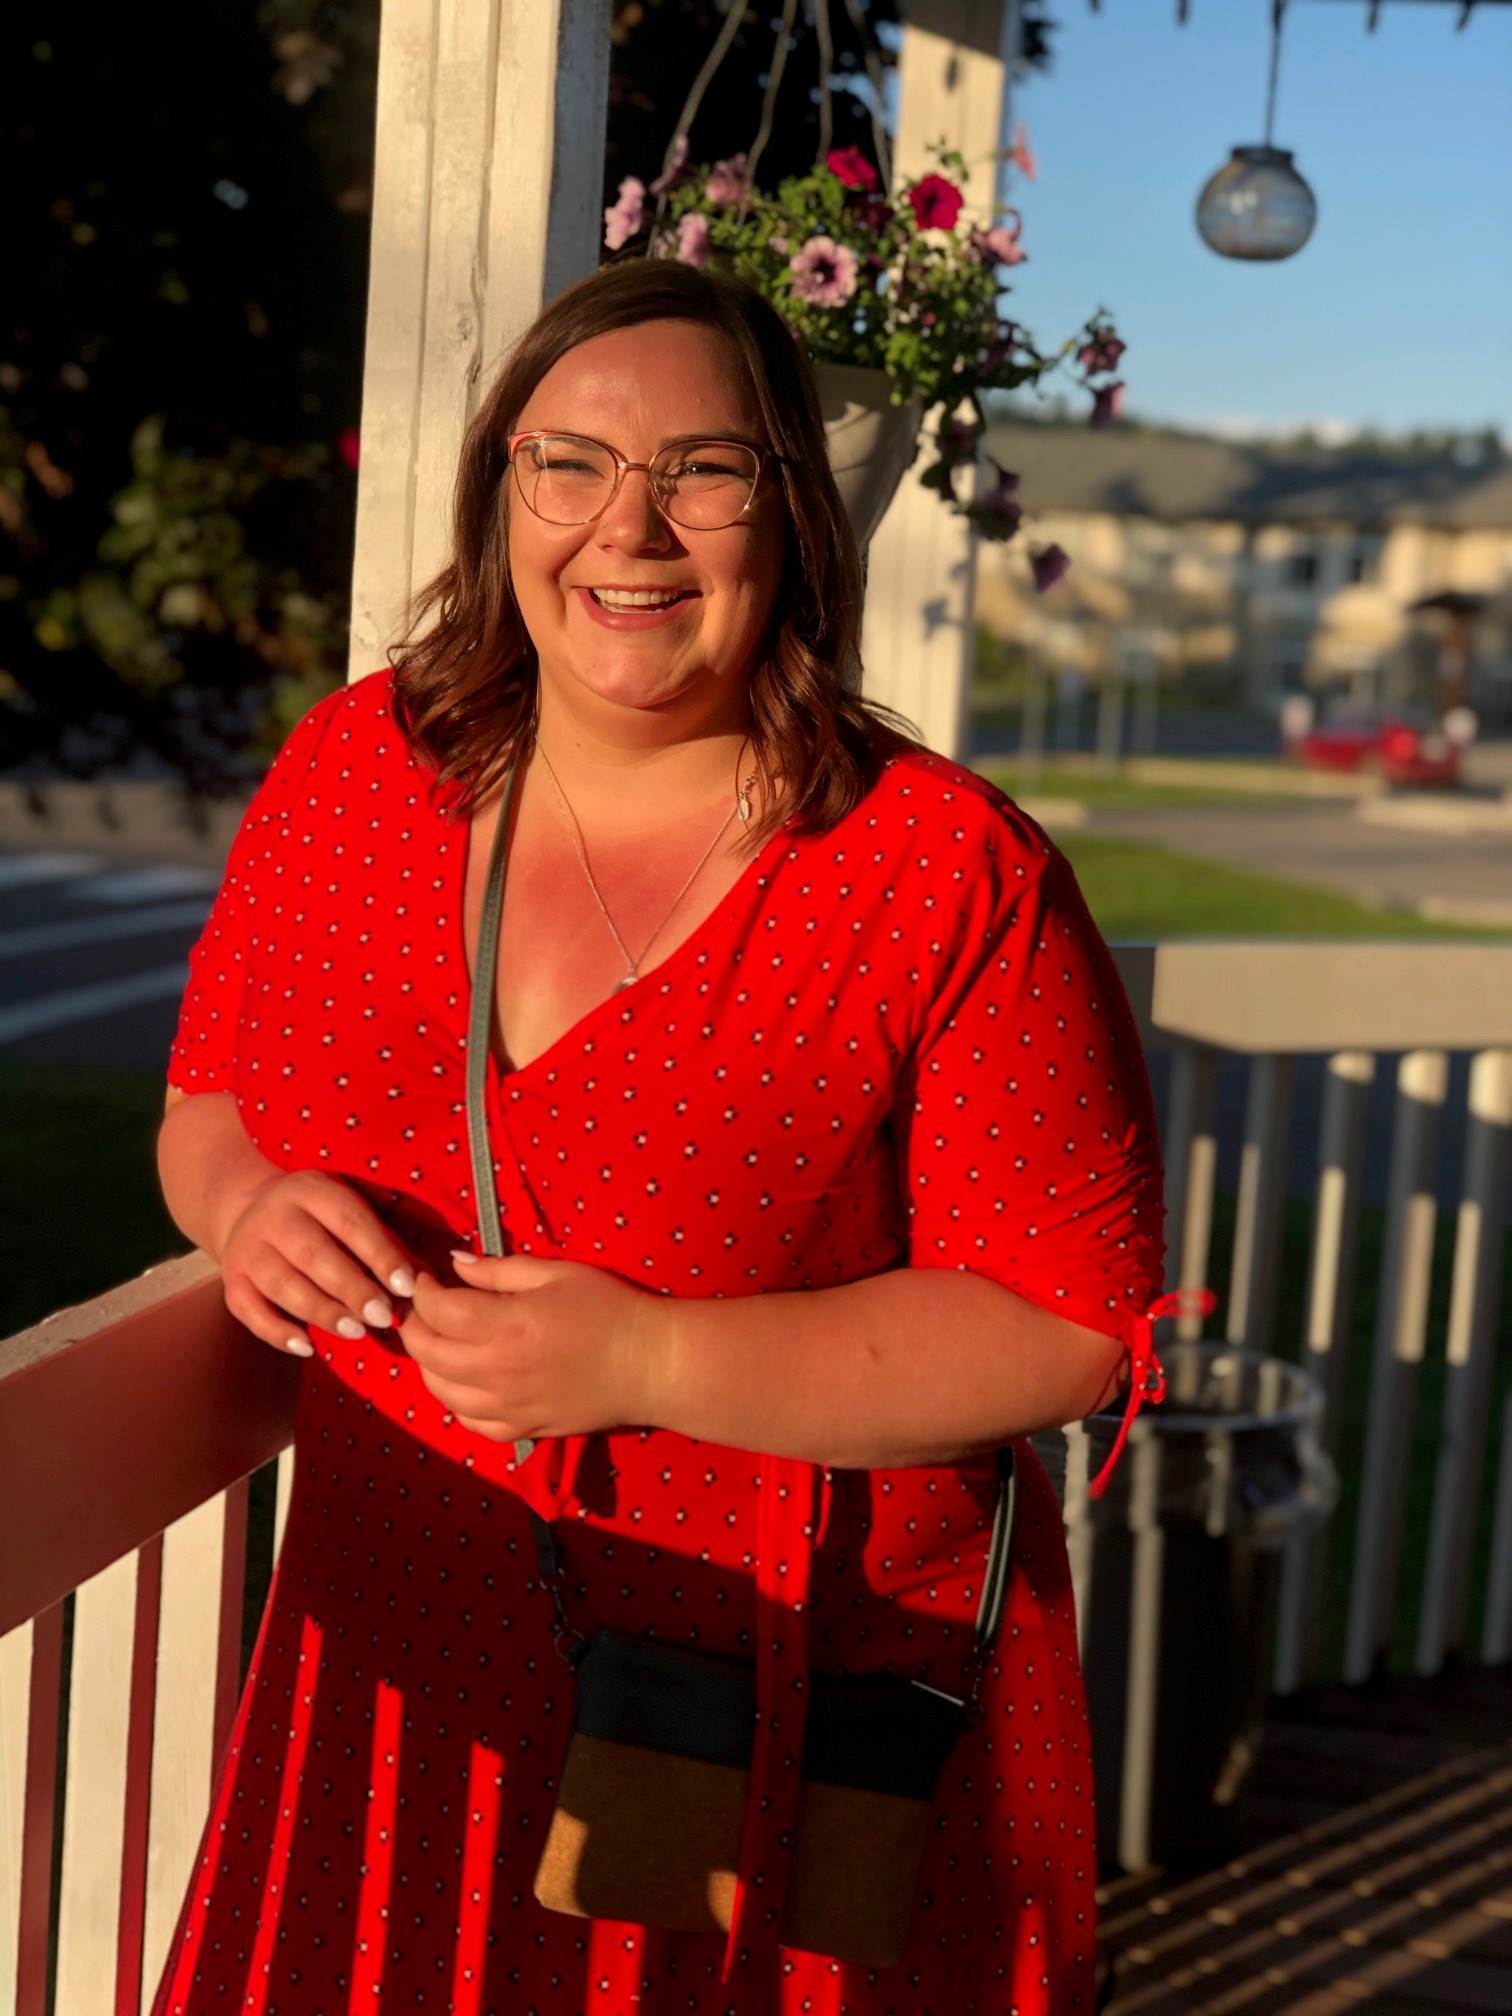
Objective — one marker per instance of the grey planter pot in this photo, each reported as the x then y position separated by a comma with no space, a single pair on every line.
871,441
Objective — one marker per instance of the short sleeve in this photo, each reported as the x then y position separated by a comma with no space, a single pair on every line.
204,1049
1026,1129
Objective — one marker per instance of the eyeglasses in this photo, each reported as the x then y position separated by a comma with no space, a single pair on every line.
702,485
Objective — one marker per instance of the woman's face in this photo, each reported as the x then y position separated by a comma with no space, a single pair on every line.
634,390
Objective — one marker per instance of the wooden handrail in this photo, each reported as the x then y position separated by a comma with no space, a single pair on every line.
162,1348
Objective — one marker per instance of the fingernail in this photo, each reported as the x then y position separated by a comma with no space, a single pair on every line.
300,1347
402,1281
377,1314
464,1259
350,1327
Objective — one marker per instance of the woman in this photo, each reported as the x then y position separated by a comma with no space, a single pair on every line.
821,1135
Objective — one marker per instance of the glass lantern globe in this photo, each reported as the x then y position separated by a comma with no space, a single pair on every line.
1257,206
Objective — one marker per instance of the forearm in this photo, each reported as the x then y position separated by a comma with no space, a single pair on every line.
915,1366
208,1167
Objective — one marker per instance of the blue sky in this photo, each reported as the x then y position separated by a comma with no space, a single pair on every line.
1397,313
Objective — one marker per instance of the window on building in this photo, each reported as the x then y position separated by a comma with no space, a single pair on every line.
1301,568
1364,562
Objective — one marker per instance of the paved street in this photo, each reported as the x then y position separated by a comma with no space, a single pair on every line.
93,955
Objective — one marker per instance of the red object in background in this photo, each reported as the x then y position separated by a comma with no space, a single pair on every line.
349,446
1403,746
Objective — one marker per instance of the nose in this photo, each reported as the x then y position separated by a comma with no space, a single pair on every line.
632,518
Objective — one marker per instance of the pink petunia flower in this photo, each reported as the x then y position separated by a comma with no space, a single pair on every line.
852,166
824,273
1101,353
1049,564
676,170
999,245
693,239
626,214
936,203
1019,153
728,181
777,242
1107,404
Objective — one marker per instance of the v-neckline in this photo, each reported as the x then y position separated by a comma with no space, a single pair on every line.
500,1071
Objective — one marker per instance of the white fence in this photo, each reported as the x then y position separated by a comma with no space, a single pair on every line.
129,1430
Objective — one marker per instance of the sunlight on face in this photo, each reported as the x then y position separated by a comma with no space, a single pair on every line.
635,389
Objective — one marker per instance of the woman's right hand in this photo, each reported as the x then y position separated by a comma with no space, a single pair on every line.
305,1248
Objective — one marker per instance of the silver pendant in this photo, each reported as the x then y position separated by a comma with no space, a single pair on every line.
628,981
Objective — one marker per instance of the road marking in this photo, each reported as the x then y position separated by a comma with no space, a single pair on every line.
34,938
140,885
89,1004
17,870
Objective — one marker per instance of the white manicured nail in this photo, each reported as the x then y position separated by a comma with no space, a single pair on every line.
350,1327
300,1347
376,1314
402,1281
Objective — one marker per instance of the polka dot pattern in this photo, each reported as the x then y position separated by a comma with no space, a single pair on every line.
899,1042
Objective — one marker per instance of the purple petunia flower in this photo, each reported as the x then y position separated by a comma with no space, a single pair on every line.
1107,403
728,181
693,239
999,246
627,213
676,168
1101,353
824,273
1049,564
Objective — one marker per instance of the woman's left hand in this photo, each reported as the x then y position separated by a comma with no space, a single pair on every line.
529,1348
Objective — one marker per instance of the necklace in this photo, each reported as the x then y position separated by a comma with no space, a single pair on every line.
742,806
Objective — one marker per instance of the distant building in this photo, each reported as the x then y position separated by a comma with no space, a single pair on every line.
1246,572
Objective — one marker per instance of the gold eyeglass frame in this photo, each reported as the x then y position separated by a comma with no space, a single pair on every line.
623,464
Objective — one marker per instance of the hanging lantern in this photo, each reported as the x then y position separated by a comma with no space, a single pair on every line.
1257,206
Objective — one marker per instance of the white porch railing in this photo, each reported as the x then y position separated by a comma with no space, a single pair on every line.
129,1429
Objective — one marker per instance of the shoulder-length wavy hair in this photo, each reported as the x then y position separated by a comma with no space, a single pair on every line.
465,674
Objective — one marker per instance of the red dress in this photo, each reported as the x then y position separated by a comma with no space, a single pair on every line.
900,1041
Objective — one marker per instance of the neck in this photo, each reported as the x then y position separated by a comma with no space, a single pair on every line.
645,759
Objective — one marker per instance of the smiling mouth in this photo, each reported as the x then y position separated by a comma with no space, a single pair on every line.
639,598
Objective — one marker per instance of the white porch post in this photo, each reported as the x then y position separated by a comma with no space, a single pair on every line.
486,202
921,573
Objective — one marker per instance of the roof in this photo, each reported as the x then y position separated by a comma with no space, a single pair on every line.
1142,472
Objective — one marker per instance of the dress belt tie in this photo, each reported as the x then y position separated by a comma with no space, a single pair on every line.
1147,1375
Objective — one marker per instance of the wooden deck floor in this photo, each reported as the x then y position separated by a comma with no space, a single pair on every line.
1376,1875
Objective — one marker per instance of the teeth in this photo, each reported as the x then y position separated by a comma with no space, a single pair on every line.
641,598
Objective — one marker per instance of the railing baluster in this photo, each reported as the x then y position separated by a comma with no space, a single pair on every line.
1422,1079
1330,1297
1191,1159
1496,1637
31,1675
201,1589
284,1491
1257,1224
137,1814
1473,1309
94,1808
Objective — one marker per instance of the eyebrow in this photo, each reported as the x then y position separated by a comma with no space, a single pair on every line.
667,440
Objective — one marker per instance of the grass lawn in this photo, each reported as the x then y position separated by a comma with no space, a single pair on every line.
1117,793
1137,892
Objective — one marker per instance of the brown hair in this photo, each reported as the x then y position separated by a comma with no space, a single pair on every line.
465,686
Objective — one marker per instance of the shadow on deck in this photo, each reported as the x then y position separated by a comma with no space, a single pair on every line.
1376,1876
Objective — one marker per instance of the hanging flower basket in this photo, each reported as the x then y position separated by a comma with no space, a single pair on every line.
896,300
872,442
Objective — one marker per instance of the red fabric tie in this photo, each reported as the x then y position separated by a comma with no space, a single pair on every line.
1147,1375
